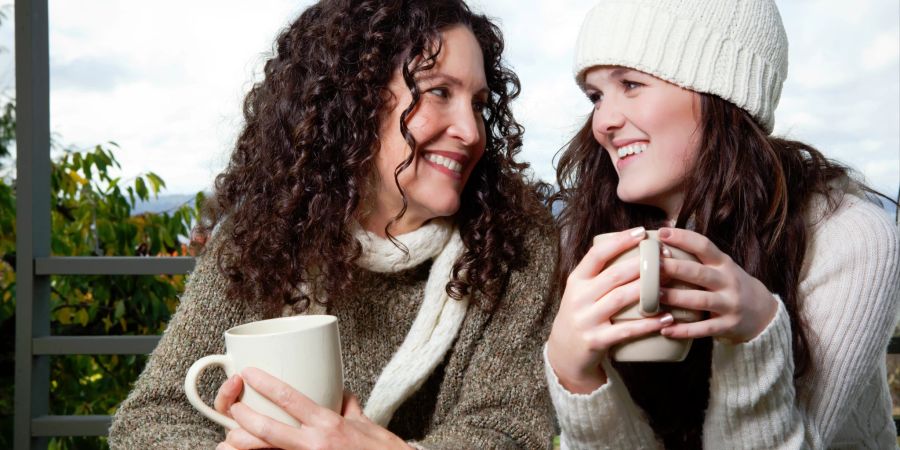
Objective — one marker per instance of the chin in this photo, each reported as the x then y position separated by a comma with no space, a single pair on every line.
627,195
445,211
444,208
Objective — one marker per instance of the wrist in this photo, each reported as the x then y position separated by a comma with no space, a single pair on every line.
580,382
766,314
574,377
583,385
769,314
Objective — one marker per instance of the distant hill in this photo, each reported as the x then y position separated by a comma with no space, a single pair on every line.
165,203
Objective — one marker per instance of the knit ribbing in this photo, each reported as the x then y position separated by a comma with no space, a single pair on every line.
735,49
849,299
870,248
434,329
588,421
422,244
751,375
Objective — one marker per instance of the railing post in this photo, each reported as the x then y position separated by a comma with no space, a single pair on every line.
32,373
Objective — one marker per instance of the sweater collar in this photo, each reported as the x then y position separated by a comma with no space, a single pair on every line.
381,255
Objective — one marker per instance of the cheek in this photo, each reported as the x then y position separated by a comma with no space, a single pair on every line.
598,136
686,136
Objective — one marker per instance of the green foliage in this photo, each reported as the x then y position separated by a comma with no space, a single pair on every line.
91,214
7,128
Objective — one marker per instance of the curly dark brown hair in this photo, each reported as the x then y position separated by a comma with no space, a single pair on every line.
747,192
285,205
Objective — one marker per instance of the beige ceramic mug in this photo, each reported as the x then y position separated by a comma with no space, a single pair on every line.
302,351
654,347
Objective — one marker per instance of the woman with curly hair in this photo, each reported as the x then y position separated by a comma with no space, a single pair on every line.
799,269
374,180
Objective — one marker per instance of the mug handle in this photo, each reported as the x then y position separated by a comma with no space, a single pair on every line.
190,388
649,250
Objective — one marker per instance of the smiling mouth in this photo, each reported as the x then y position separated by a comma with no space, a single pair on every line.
632,149
452,164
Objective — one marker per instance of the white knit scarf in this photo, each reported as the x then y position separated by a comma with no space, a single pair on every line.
438,321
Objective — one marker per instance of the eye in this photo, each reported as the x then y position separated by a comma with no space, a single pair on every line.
629,85
479,106
441,92
595,97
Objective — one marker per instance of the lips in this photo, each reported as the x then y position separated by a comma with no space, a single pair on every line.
632,149
627,150
447,162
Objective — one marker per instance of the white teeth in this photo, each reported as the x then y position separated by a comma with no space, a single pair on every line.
632,149
446,162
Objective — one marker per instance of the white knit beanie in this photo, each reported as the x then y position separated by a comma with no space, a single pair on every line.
735,49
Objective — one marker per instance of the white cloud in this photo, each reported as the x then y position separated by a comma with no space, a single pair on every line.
843,89
882,51
165,78
172,74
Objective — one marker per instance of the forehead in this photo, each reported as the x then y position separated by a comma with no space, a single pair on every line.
461,56
599,74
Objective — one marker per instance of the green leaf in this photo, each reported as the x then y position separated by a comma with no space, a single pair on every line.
120,310
82,316
86,167
156,182
141,189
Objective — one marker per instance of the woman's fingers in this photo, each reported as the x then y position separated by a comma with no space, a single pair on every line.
287,398
600,254
693,243
604,337
611,303
266,429
228,394
710,327
239,438
586,293
694,299
693,272
225,446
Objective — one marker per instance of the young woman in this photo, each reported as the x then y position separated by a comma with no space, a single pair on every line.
798,272
374,180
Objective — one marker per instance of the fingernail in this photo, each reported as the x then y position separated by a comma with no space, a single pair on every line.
665,232
667,319
666,252
638,232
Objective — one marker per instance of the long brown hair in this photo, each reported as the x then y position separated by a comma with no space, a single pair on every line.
747,192
285,205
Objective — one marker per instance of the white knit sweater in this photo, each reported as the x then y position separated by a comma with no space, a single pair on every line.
849,295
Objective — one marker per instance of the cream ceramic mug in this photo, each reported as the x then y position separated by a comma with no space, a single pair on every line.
302,351
653,347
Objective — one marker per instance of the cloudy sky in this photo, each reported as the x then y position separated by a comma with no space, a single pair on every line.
165,78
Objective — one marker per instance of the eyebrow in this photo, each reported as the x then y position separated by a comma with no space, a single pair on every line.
449,79
618,72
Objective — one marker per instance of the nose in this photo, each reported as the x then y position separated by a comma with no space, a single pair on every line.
466,125
607,118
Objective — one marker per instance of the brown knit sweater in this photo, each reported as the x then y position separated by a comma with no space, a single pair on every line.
489,392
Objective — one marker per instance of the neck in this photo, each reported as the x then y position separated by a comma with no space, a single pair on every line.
672,207
384,212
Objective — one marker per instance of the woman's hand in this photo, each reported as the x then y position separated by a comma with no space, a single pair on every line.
321,428
740,306
582,332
